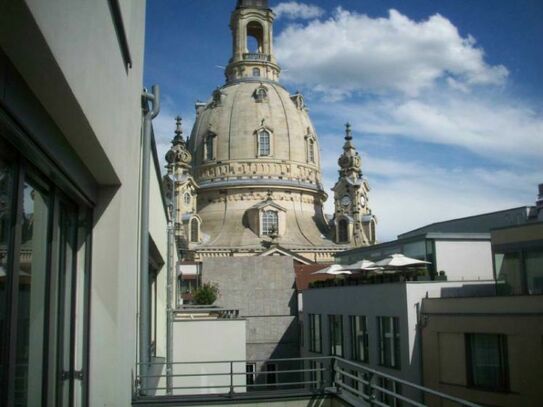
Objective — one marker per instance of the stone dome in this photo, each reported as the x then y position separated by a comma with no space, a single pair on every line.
234,118
256,157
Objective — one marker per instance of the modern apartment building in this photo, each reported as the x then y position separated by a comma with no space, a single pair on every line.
72,204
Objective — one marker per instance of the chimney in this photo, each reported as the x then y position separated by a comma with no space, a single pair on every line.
539,202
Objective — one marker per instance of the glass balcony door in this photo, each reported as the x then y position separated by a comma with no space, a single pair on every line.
44,283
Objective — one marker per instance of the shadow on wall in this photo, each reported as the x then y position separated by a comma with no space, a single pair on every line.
470,290
288,346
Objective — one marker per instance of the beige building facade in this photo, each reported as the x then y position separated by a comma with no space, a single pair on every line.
255,163
485,350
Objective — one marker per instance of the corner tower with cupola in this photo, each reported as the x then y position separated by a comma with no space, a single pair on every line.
353,221
182,192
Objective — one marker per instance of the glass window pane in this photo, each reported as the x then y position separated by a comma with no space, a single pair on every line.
270,222
508,273
6,218
31,296
264,143
534,271
487,360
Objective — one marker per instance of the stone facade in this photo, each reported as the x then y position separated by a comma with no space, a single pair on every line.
263,289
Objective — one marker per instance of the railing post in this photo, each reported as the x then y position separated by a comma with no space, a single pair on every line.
336,376
332,371
371,390
231,379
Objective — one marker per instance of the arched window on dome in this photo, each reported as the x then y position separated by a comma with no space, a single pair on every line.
260,94
209,147
311,151
186,198
264,143
343,231
270,223
372,231
256,72
194,230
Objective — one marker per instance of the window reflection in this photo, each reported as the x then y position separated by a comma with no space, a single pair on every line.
6,183
31,296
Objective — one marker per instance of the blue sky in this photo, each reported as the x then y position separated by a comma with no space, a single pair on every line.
445,97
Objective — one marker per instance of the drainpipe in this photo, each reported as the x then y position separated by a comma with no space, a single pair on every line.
171,275
150,114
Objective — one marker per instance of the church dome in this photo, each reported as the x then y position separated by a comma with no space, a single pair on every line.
256,157
253,128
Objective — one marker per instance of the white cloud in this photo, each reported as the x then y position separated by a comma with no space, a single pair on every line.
491,126
294,10
352,52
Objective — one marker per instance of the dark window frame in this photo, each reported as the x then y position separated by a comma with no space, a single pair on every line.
355,354
503,384
315,338
332,335
395,342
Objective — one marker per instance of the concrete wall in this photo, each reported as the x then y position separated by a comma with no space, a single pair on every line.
262,288
447,321
214,340
463,260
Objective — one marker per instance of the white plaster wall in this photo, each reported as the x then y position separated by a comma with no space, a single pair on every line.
217,340
464,260
69,55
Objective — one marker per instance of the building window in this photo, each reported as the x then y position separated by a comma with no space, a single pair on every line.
44,244
389,341
270,223
311,151
271,375
260,94
372,230
519,271
335,328
194,230
209,146
359,338
187,198
256,72
487,361
315,333
250,369
264,143
343,231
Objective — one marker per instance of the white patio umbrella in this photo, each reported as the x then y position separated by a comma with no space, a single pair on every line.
334,269
399,260
362,265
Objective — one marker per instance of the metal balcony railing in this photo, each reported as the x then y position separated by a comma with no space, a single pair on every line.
256,56
330,376
201,311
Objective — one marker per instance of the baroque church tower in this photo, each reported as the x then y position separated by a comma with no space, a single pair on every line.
181,190
254,181
353,220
